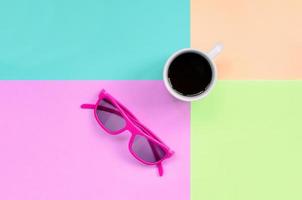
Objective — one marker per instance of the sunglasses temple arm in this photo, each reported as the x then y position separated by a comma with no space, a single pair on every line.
147,131
135,120
132,117
157,156
103,108
87,106
160,169
159,165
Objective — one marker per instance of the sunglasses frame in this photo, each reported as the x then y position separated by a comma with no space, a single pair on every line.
134,126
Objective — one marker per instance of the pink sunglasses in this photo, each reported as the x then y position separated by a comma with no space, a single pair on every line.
115,118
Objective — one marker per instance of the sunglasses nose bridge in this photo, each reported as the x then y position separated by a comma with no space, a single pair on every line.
132,130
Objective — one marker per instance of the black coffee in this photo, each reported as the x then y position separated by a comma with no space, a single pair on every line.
190,74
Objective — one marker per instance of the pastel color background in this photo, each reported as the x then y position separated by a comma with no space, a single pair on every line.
92,39
52,149
246,142
245,136
262,39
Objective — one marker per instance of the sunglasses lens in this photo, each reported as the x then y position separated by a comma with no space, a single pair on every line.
110,116
147,150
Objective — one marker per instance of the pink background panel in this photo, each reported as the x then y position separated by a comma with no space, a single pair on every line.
52,149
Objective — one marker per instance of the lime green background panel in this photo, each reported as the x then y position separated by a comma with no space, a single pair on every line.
247,142
91,39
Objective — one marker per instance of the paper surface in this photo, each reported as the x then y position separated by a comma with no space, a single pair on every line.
246,141
95,39
262,39
50,148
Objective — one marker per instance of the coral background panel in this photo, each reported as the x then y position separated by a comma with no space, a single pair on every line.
262,39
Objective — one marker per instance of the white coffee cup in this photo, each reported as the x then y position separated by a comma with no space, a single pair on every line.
208,56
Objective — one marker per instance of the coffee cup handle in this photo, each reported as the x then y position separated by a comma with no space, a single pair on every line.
215,50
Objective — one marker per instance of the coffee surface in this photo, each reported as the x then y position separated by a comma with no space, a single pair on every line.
190,74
